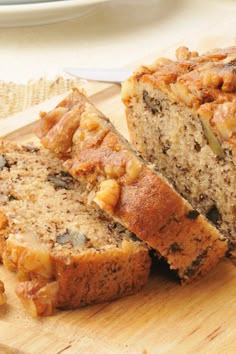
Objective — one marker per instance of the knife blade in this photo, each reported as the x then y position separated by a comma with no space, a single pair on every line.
117,75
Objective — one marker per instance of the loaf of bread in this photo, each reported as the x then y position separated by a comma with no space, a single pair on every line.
123,185
66,255
182,118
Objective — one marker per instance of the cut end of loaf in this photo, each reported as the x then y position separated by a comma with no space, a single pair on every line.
182,118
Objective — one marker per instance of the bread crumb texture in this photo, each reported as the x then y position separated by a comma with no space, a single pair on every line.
65,254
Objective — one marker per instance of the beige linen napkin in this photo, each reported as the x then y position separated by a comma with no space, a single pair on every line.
18,97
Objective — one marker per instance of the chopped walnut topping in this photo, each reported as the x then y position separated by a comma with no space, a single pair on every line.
229,82
92,129
133,169
225,119
183,53
214,56
108,195
90,121
208,86
114,170
182,92
38,296
211,79
52,118
159,62
200,82
218,78
162,61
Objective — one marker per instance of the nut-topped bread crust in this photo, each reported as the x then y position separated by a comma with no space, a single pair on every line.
205,83
65,254
123,185
181,117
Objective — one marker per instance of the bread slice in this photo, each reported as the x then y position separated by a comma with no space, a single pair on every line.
182,118
123,185
65,254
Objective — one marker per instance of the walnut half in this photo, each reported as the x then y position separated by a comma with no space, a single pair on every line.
38,296
183,53
26,255
108,195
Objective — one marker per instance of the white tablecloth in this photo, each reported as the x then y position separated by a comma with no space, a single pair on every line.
115,33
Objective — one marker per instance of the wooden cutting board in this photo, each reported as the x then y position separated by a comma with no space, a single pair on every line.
164,317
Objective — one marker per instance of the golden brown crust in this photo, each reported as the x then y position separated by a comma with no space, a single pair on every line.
81,281
145,203
206,83
126,272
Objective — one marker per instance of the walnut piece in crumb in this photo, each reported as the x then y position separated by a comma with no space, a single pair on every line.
133,169
183,53
3,298
108,195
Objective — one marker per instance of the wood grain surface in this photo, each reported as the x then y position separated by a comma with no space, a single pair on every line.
164,317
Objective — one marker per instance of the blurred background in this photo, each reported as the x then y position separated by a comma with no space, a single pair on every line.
110,34
38,40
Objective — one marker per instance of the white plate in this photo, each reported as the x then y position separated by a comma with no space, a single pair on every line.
43,12
17,2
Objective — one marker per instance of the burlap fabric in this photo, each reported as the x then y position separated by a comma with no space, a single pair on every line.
18,97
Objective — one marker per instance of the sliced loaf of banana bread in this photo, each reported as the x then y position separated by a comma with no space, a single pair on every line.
66,255
122,184
182,118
